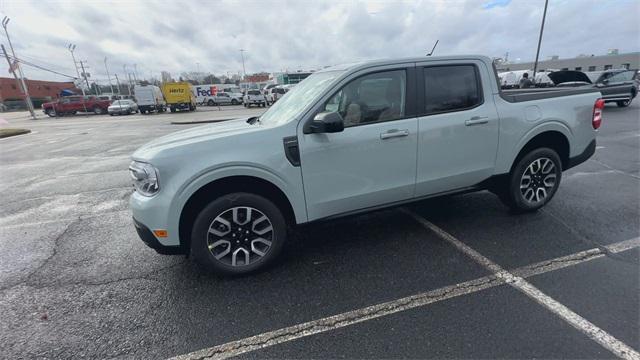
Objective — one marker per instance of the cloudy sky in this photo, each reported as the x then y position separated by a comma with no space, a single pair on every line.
288,35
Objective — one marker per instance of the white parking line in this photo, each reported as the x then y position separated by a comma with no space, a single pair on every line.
600,336
271,338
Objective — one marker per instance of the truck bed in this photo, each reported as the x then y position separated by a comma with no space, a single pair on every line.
522,95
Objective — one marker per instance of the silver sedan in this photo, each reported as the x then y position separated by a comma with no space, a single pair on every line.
122,107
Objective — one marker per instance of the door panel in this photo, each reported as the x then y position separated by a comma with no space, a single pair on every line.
361,167
458,133
372,162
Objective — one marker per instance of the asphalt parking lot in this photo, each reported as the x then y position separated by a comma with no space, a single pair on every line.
455,277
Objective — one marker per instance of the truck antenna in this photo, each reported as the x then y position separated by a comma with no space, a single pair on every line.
434,47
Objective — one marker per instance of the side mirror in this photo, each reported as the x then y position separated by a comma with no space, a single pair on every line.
604,82
327,122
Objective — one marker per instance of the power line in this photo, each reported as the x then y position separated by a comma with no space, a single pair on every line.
39,67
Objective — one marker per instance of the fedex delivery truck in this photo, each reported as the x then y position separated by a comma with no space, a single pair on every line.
217,94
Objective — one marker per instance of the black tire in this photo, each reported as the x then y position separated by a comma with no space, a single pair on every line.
234,102
97,110
623,103
530,198
51,113
111,114
211,103
202,237
173,110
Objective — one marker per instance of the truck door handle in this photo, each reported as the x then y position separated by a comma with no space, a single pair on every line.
394,133
477,120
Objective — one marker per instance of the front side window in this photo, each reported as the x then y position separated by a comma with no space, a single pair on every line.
451,88
371,98
592,68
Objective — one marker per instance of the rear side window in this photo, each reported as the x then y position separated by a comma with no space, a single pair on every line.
451,88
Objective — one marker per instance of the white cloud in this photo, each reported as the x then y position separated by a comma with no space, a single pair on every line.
279,35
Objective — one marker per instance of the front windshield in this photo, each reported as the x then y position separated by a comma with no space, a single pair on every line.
298,98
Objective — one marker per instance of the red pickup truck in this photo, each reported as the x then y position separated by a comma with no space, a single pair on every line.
73,104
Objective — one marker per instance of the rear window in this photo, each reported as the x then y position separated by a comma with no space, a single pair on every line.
451,88
253,92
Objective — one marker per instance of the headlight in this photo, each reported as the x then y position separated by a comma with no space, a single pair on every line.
145,178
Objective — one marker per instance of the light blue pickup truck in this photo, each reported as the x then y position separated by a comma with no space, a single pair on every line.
351,139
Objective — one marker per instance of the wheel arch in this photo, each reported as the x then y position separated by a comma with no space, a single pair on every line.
226,185
553,139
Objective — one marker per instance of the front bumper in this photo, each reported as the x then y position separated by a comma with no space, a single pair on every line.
148,238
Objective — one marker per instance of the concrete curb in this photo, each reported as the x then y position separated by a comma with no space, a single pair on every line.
13,132
177,122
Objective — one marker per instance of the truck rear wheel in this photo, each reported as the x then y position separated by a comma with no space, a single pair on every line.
172,109
623,103
238,233
97,110
533,181
51,113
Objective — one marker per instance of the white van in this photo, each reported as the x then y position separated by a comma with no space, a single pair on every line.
149,98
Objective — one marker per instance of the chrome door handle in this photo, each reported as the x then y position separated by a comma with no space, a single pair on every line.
394,133
477,120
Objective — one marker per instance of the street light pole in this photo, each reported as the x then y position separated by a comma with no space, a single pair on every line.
25,90
244,72
108,77
544,15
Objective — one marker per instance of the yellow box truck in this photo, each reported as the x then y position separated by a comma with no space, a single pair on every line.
179,96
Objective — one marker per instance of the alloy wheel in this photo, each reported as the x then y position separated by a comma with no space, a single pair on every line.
240,236
538,180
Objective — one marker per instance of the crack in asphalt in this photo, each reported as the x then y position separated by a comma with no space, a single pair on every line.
581,237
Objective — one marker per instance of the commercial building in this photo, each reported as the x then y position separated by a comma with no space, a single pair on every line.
40,91
613,60
291,77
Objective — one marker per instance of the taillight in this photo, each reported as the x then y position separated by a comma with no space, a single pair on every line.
597,113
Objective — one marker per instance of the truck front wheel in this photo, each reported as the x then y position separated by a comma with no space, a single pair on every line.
238,233
533,181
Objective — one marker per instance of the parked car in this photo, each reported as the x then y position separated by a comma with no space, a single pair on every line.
223,98
255,97
69,105
123,107
179,96
619,86
361,138
149,98
276,93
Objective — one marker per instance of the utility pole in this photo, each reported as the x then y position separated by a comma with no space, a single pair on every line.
544,15
72,48
244,72
124,67
108,77
84,75
21,83
118,83
135,73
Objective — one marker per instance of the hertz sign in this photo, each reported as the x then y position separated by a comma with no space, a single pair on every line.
176,91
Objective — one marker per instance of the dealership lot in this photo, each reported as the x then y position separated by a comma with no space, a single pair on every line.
75,280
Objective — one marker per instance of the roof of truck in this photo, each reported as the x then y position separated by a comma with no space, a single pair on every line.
365,64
